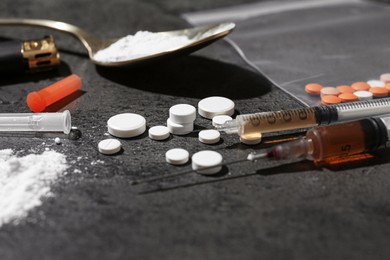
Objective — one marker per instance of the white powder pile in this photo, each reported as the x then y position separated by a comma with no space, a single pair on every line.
24,181
141,44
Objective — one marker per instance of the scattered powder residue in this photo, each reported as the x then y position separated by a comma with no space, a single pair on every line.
24,181
143,43
96,162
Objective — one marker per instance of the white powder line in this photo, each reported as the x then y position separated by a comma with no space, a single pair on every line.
25,181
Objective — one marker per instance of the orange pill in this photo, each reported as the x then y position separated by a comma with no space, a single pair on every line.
330,100
348,97
345,89
360,86
313,88
387,86
379,91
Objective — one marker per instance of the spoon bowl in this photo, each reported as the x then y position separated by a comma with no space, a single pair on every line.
199,37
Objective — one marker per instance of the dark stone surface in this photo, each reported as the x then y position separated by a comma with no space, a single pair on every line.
299,211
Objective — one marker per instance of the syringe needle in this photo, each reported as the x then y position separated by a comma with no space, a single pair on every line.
280,154
157,178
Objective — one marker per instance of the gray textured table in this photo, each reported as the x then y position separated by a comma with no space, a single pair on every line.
300,211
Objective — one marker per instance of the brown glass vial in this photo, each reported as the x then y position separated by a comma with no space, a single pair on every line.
346,139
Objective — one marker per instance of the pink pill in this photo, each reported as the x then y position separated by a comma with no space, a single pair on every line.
385,77
329,91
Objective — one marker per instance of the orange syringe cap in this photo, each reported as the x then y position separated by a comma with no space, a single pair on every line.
37,101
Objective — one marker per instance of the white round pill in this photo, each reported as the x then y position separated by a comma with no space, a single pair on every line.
250,140
209,136
109,146
221,119
179,129
182,113
363,95
376,83
214,106
57,140
206,159
177,156
158,132
126,125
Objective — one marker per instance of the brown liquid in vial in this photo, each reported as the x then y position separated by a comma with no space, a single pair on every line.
342,140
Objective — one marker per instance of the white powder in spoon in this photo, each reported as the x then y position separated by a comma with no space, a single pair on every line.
25,181
141,44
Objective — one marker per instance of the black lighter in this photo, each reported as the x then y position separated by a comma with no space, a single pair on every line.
18,57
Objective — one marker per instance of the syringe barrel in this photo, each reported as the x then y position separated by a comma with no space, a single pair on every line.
361,109
252,125
36,122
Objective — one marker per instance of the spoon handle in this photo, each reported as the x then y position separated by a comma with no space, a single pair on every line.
87,39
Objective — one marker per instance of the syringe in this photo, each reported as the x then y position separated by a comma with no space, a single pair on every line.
332,142
319,144
253,125
36,122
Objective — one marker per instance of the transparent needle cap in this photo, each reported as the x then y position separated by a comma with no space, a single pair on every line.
36,122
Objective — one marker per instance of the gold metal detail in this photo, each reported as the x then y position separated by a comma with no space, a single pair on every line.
40,54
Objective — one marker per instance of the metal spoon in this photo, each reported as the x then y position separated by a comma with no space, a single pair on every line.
199,36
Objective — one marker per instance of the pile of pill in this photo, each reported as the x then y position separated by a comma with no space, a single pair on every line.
181,119
354,92
180,122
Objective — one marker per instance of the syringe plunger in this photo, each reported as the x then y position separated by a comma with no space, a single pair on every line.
252,125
